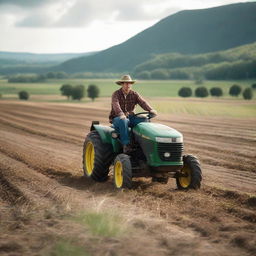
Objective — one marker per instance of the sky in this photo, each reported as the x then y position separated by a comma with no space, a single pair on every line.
74,26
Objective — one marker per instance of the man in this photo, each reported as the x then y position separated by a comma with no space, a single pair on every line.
123,104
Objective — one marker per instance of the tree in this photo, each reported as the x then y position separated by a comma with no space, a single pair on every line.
78,92
235,90
254,86
201,92
216,91
66,90
93,91
247,94
23,95
185,92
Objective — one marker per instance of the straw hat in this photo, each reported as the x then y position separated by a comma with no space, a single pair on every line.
125,79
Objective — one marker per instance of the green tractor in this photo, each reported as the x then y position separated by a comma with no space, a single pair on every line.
156,152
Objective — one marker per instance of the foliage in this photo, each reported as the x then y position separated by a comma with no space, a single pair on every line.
159,74
216,91
23,95
185,92
201,92
247,94
253,86
56,75
235,90
78,92
26,78
93,91
66,90
235,63
144,75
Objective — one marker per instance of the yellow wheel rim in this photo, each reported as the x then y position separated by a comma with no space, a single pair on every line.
185,181
89,158
118,170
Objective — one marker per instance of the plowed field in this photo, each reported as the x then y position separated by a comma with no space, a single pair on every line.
41,183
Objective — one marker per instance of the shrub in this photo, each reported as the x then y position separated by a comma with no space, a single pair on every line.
185,92
254,86
23,95
248,94
78,92
66,90
93,91
235,90
201,92
216,91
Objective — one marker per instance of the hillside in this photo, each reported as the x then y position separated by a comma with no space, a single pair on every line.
234,63
187,32
26,57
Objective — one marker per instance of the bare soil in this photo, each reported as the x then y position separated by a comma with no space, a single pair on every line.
41,183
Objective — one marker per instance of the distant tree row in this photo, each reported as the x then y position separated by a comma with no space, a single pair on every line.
26,78
77,92
202,92
221,71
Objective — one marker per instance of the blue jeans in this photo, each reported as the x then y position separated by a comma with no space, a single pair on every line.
122,126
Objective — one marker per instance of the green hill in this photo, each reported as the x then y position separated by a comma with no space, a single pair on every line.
235,63
186,32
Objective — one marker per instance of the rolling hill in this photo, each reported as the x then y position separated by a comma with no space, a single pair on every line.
186,32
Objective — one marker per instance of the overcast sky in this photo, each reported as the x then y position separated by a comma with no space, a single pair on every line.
58,26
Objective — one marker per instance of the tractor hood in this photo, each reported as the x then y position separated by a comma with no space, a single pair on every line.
158,132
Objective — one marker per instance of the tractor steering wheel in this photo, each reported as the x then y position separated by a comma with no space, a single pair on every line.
147,113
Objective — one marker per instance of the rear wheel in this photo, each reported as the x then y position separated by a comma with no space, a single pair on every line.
123,171
191,174
97,157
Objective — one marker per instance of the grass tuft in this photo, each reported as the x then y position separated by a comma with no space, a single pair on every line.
102,223
65,248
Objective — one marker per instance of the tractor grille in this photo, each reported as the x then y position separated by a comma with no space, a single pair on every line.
174,149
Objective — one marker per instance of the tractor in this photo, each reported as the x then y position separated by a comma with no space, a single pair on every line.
156,152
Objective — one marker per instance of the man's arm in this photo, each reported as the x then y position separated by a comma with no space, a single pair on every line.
143,103
116,106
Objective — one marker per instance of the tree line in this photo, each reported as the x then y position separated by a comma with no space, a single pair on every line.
202,92
77,92
74,92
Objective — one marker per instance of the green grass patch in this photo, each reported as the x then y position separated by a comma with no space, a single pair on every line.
102,223
66,248
150,88
206,108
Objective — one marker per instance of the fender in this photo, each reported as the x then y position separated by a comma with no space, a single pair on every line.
105,135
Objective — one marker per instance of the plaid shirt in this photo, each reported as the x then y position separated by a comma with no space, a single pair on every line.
125,105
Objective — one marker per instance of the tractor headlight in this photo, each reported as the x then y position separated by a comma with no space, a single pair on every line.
169,140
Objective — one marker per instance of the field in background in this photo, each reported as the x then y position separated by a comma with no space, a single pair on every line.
150,88
162,95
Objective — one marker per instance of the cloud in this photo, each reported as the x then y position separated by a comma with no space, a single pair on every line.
81,13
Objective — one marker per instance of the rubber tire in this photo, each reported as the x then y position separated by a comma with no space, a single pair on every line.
102,158
193,164
127,170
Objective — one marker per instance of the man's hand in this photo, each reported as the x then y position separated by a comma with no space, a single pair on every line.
153,112
122,117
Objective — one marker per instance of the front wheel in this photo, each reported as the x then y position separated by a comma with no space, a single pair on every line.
123,171
97,157
190,175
